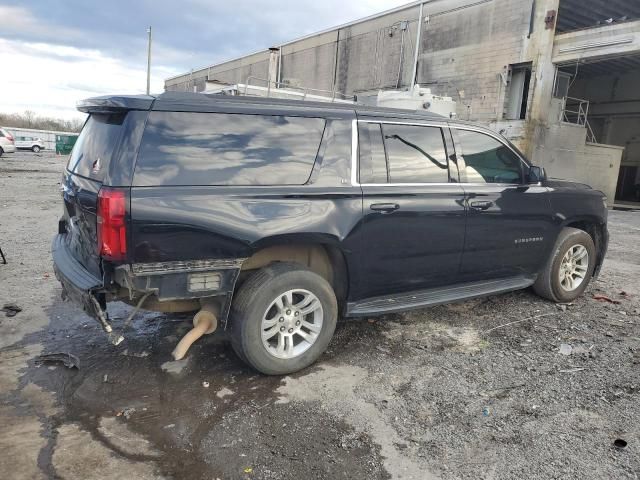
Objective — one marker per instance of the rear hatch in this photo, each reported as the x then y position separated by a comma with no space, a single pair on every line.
81,183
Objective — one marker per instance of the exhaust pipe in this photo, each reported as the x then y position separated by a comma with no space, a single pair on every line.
204,323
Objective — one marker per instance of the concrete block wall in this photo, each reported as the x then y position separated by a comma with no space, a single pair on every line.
465,46
563,151
465,50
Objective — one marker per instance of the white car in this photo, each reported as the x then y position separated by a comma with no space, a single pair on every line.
29,143
7,144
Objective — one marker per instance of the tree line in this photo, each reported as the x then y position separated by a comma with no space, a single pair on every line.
29,119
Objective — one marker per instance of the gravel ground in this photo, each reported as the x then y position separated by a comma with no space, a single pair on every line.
476,390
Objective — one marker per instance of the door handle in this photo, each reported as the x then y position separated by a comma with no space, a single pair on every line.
483,205
384,207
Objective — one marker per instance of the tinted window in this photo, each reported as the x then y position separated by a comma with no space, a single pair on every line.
373,164
415,154
180,148
488,160
96,144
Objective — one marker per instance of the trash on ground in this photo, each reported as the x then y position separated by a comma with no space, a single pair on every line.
69,360
11,309
604,298
619,443
565,349
126,413
205,384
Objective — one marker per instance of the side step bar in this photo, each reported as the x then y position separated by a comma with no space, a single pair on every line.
435,296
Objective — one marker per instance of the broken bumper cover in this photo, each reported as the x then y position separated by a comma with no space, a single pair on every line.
77,282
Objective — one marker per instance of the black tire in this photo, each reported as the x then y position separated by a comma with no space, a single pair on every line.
1,151
35,149
548,282
251,302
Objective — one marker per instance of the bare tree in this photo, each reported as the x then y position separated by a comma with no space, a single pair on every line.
29,119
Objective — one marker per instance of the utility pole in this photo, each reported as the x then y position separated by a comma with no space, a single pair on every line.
149,60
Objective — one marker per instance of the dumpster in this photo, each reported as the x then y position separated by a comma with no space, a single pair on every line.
64,143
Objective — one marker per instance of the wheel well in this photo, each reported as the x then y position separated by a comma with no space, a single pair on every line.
325,260
594,230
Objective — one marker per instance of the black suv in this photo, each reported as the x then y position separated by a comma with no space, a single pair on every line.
279,216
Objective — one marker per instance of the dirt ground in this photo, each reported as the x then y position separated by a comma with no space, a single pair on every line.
476,390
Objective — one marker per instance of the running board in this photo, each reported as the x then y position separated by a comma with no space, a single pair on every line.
435,296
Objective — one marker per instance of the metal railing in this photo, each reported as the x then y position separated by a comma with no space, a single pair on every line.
576,110
306,91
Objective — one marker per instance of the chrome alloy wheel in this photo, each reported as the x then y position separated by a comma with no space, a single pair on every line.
574,267
292,323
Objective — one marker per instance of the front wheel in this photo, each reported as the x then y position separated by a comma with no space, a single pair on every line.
36,149
570,268
282,318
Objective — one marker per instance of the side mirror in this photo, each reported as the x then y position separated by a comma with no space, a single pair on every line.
537,174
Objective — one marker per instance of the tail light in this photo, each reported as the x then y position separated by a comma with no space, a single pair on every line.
112,224
9,137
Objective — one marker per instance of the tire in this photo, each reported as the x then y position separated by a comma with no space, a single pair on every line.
35,149
549,284
255,310
1,151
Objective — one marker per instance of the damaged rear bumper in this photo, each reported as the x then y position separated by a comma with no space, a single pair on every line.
78,284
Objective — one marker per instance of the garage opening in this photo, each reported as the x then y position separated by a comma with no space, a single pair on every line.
603,96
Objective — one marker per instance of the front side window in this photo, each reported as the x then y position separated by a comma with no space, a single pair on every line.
487,160
184,148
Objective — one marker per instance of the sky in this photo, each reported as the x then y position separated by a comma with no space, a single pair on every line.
56,52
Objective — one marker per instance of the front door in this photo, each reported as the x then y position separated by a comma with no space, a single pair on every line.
509,223
414,214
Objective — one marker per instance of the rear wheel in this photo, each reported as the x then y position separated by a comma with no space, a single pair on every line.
569,270
283,318
35,149
1,151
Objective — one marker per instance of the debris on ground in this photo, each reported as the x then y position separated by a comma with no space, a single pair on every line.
11,309
175,366
69,360
205,384
126,413
565,349
620,444
604,298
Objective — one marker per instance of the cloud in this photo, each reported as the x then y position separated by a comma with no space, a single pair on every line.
44,80
60,51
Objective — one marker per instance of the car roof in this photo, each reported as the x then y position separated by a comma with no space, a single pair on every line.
202,102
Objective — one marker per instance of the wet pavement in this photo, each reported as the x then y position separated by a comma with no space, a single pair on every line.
473,390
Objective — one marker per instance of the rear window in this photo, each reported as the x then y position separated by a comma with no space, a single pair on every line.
95,146
181,148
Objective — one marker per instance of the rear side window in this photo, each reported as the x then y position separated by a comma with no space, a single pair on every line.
183,148
373,163
487,160
95,146
415,154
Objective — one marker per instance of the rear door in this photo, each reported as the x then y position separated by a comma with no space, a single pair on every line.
509,223
413,207
86,170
